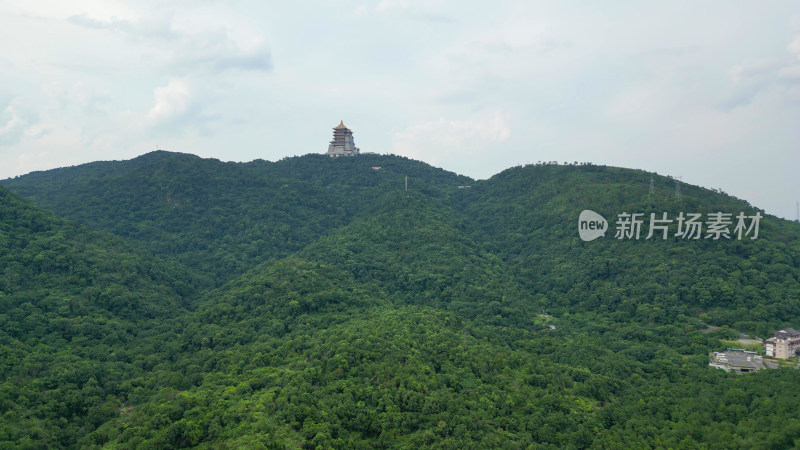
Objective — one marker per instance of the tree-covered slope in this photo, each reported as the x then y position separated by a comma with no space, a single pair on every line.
413,248
387,332
528,216
352,313
78,316
399,330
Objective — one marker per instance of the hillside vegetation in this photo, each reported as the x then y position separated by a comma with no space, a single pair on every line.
314,302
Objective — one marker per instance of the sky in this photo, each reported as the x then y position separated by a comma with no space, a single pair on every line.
706,91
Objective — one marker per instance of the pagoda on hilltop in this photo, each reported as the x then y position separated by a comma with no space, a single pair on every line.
342,143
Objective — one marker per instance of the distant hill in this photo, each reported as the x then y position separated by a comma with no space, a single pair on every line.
528,217
315,302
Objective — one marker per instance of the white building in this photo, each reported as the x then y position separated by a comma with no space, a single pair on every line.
783,344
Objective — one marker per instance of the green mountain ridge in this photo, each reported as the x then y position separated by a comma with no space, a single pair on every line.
323,305
532,237
177,204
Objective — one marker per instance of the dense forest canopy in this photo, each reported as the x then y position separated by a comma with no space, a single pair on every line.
174,301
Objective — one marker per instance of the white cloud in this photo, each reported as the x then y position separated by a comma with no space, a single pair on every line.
183,107
435,140
790,73
47,145
749,71
361,11
75,98
793,94
391,5
14,120
514,50
426,10
794,47
188,43
171,101
57,9
751,79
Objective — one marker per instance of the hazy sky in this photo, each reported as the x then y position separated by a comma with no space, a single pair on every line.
707,90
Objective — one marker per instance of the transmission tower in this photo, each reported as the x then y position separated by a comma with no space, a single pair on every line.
797,217
652,187
678,195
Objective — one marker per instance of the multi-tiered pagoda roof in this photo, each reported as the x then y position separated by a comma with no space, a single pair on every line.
342,143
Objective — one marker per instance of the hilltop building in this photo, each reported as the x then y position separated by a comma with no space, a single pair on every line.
342,143
783,344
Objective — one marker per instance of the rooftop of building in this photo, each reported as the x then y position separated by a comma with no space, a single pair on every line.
786,333
738,359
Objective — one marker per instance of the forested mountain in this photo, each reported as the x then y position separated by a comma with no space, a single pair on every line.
317,302
83,314
531,223
222,218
